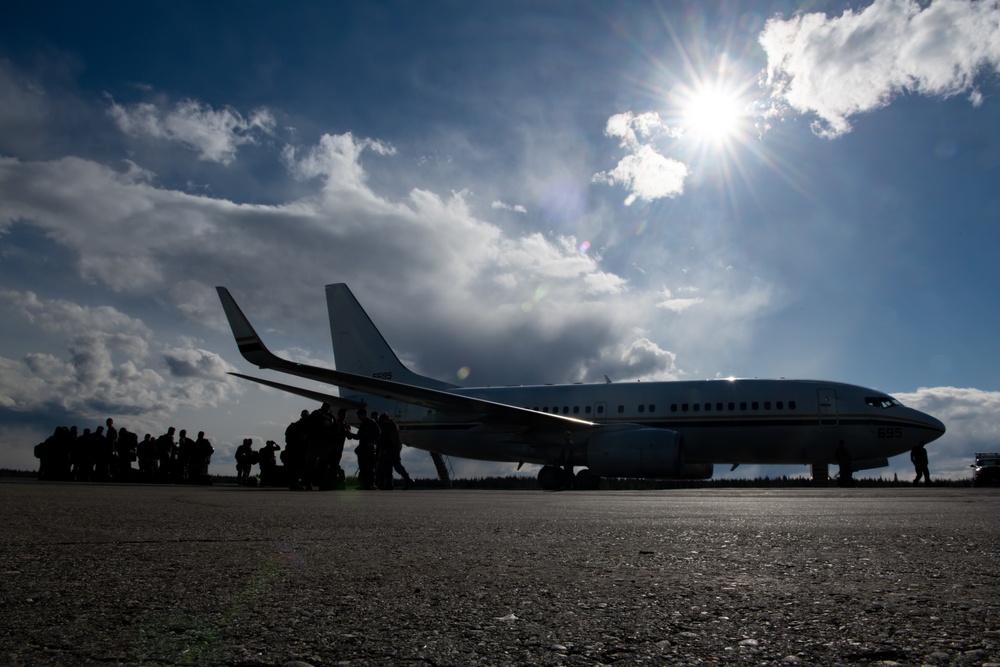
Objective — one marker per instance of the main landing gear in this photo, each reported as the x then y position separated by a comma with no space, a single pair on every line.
557,478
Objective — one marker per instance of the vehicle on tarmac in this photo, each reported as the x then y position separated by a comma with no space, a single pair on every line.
986,469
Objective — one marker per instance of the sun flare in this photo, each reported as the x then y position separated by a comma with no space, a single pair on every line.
713,114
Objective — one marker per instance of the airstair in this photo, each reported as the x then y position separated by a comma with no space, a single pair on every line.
443,469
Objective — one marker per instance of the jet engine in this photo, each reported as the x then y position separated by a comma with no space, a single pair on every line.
636,452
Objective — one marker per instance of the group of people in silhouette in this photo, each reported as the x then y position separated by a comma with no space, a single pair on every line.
107,454
314,446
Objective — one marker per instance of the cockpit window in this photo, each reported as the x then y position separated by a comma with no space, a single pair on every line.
882,401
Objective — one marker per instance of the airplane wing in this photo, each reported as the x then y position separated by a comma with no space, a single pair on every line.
253,350
320,397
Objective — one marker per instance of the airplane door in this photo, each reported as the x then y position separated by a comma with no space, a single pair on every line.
600,411
400,412
827,407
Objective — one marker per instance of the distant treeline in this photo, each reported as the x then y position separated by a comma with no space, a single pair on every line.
615,484
522,482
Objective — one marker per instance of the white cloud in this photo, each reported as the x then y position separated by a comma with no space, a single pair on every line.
215,133
645,172
636,130
64,316
131,236
501,206
642,359
678,304
196,363
971,418
842,66
336,159
106,365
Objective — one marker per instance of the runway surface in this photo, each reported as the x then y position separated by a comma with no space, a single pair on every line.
169,575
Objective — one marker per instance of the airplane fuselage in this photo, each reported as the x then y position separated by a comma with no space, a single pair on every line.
720,421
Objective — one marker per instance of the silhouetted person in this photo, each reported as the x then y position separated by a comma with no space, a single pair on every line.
203,457
165,454
104,454
125,454
111,447
367,437
81,456
918,455
185,455
146,452
318,434
294,455
389,459
268,463
244,460
54,455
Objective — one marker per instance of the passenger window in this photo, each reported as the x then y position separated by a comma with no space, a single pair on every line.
754,405
791,405
565,409
767,405
743,405
684,407
621,409
586,410
696,407
642,408
732,406
673,407
652,408
780,405
600,409
718,407
576,409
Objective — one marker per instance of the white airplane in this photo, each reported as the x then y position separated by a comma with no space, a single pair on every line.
658,430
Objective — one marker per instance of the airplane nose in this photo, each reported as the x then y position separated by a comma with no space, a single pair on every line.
935,425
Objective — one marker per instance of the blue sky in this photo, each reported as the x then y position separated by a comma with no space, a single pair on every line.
535,192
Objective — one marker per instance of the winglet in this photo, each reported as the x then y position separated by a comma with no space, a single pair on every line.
251,346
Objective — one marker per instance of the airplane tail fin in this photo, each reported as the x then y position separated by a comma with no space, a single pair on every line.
358,346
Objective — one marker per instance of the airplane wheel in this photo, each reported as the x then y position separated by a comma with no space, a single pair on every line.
587,481
550,478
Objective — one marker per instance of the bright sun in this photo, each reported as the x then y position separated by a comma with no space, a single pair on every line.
713,115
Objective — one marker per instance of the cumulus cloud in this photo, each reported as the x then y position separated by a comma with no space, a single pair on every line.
642,359
971,417
64,316
335,159
215,133
129,235
196,363
645,172
838,67
106,365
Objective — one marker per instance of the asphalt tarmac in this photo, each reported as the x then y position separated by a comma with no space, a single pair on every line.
224,575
